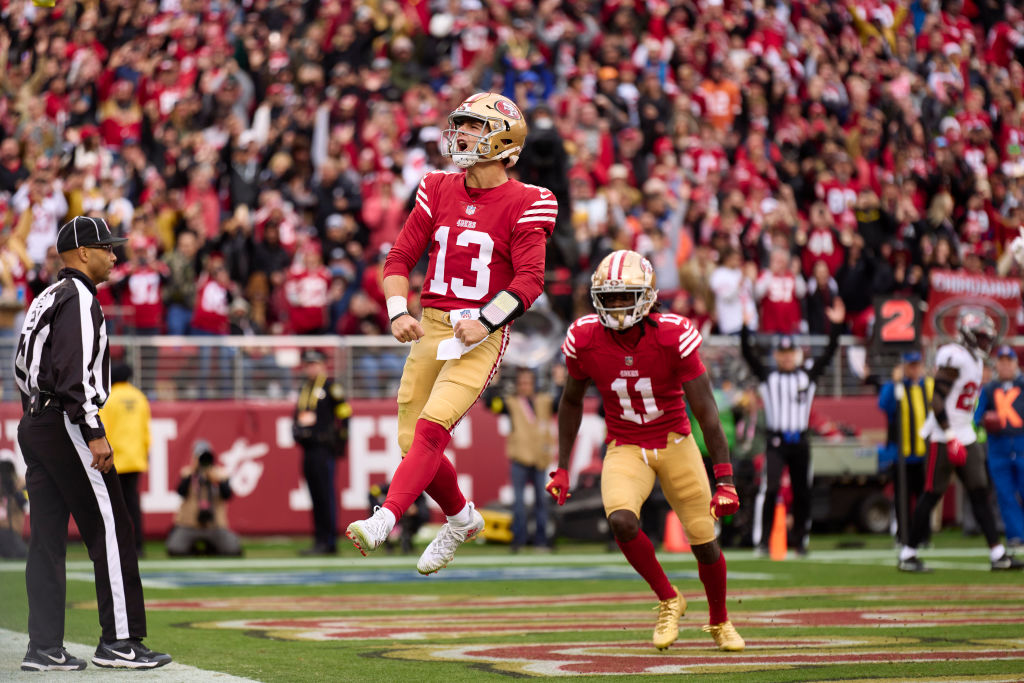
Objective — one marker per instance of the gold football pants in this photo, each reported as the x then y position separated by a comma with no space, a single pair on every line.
627,478
442,391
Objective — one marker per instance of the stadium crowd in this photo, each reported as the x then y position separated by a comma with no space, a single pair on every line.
261,155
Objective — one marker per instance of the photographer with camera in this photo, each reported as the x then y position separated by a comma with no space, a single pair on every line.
202,519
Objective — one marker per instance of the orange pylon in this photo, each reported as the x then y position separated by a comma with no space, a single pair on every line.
675,536
777,540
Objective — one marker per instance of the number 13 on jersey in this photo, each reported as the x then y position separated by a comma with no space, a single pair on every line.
479,264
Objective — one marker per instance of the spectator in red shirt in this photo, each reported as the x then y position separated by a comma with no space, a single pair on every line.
211,319
120,116
141,288
307,290
780,291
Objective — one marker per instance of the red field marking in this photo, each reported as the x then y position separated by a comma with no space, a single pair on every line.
418,626
885,617
408,603
342,603
688,657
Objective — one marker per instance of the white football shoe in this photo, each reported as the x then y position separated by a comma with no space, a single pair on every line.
442,549
369,534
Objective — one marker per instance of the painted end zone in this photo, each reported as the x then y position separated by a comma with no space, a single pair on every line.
513,635
578,659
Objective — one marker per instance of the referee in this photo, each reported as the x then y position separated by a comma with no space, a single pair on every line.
62,368
787,393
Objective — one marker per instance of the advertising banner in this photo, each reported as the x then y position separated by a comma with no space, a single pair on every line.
953,293
253,442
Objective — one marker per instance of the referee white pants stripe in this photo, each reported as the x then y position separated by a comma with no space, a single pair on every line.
99,489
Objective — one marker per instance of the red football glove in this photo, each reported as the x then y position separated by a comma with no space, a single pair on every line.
956,452
558,487
725,501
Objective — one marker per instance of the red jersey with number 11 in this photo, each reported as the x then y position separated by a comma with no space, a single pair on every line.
641,384
481,241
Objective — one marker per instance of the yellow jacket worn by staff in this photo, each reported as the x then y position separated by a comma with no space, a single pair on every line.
126,417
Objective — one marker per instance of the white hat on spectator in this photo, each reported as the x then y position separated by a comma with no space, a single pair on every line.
655,186
947,124
441,25
335,220
430,134
470,5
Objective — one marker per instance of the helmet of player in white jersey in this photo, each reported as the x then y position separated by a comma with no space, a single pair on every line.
977,333
623,272
503,135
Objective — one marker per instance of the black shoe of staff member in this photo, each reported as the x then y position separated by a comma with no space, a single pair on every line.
128,654
50,659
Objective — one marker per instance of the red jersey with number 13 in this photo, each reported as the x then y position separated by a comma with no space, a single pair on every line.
641,385
481,241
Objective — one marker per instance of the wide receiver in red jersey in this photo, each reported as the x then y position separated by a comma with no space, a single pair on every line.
486,234
642,363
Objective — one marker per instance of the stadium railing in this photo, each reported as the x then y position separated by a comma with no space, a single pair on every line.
268,367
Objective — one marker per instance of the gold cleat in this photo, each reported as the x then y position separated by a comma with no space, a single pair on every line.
669,611
725,636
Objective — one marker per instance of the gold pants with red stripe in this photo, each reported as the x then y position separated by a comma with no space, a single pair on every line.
442,391
627,478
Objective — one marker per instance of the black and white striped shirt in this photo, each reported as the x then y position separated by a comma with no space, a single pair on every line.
63,351
787,396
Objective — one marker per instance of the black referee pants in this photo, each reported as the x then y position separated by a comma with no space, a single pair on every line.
61,483
778,455
318,467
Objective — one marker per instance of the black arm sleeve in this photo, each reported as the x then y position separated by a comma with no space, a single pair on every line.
750,355
822,361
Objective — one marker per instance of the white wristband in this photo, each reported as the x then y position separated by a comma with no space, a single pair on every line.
396,306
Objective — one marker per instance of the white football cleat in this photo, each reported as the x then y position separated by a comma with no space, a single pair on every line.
442,549
368,534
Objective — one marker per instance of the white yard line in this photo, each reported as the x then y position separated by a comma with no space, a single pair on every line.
520,560
12,650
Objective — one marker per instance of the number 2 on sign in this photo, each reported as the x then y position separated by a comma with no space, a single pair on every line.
643,387
897,321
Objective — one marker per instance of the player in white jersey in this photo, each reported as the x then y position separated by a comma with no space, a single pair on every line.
954,446
960,394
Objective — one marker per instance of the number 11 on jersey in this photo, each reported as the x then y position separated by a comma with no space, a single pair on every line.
642,388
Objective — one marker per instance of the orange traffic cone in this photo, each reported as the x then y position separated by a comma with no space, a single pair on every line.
675,536
777,540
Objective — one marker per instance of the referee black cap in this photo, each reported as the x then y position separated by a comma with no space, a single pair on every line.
314,356
85,231
785,343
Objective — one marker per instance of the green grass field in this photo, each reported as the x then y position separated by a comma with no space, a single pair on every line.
844,613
